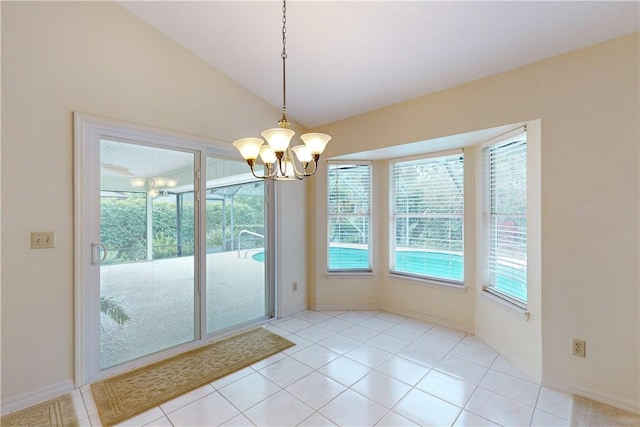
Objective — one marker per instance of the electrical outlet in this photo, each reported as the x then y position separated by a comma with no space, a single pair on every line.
294,287
42,239
578,348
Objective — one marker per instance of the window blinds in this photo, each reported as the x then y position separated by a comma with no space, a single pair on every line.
427,213
505,190
349,206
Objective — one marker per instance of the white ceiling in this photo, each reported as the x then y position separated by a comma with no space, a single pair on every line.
347,58
135,160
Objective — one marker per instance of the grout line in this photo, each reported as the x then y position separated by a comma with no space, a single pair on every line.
352,323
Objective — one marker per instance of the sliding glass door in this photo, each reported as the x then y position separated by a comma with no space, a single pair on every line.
237,290
147,245
171,241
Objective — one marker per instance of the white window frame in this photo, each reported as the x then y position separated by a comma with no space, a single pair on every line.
488,267
393,216
368,215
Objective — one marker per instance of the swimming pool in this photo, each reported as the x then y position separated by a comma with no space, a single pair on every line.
438,265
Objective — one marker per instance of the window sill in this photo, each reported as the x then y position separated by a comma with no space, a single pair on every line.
521,312
430,283
343,274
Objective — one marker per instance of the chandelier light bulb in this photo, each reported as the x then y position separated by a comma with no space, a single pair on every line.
278,138
267,154
302,153
249,148
316,142
138,182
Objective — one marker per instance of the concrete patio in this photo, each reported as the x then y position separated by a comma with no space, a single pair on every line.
158,297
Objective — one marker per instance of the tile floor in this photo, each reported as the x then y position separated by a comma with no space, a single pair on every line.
365,368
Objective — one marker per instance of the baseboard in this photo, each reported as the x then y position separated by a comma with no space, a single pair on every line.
344,307
467,329
292,310
462,327
25,400
532,373
607,399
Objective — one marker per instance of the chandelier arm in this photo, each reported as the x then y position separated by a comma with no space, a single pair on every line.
301,175
270,173
315,168
296,173
282,158
283,172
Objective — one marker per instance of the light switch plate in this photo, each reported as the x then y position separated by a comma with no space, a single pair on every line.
42,239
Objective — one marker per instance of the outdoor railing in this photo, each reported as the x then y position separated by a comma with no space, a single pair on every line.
240,234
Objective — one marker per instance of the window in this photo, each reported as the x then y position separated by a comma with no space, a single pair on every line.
505,217
427,213
349,216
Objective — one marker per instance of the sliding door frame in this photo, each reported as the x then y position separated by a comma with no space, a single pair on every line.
88,130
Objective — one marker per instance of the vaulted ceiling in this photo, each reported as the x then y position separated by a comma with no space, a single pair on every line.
349,57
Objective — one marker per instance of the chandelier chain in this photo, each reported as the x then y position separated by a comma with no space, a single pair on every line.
284,120
278,156
284,29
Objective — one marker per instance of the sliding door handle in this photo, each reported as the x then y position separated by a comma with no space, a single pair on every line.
95,253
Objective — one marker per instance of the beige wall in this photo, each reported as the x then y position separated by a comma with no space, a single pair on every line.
588,105
96,58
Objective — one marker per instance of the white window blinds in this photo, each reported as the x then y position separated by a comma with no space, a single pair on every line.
349,216
427,214
505,216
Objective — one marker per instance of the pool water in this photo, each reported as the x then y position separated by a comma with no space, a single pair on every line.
437,265
258,256
433,264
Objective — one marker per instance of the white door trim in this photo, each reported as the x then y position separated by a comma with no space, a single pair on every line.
88,130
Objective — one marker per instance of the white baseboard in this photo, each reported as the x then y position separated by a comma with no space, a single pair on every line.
467,329
291,310
462,327
532,373
25,400
344,307
615,401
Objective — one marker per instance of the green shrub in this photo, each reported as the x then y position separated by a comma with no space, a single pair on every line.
123,222
123,227
164,246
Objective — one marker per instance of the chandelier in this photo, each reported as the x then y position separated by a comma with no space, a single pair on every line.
276,153
154,186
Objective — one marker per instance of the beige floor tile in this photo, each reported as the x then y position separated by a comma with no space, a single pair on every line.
393,419
316,389
499,409
446,387
210,410
365,368
403,370
368,355
281,409
248,391
353,409
381,388
426,410
344,370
